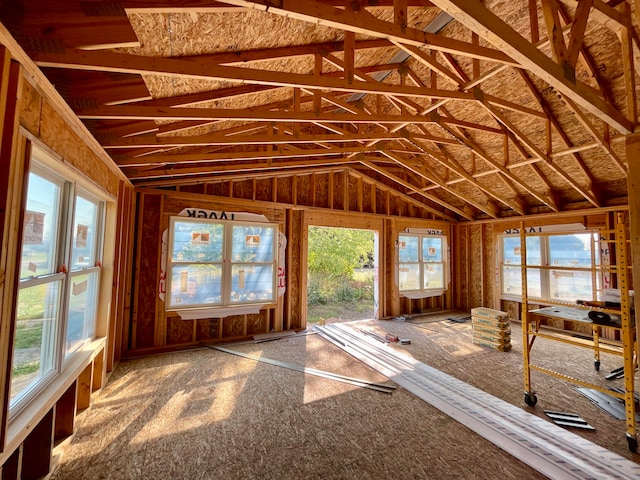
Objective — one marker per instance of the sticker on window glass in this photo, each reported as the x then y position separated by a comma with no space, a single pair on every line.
33,227
252,240
32,267
516,251
432,251
200,238
79,287
402,244
241,279
81,236
184,277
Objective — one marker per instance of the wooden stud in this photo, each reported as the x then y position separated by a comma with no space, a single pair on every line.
626,41
37,449
65,413
14,165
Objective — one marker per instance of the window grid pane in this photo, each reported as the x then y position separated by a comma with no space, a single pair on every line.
195,284
83,298
40,229
197,241
84,246
408,248
36,330
409,276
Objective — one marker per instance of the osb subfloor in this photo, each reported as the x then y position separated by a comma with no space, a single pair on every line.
204,414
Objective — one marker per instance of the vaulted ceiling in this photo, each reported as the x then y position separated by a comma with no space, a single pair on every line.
474,109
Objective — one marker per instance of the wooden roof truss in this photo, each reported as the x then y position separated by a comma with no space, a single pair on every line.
469,109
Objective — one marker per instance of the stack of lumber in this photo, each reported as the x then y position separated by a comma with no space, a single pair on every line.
491,328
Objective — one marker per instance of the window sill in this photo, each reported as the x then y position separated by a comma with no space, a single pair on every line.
417,294
219,312
26,419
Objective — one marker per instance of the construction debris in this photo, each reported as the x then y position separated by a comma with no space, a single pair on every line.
551,450
568,420
379,387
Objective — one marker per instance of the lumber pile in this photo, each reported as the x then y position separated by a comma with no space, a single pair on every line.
491,328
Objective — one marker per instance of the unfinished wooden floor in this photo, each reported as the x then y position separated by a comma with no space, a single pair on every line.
204,414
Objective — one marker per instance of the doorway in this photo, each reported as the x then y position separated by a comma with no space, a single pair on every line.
341,283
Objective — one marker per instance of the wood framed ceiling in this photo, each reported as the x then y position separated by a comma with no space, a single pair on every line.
477,110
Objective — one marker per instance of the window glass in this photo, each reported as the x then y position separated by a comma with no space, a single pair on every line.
409,276
569,261
251,283
193,284
432,249
195,241
569,286
511,250
35,336
83,295
252,243
40,229
570,250
408,248
512,281
433,275
84,246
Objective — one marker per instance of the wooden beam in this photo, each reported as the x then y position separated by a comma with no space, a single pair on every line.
486,24
217,139
578,28
588,125
211,6
428,174
540,154
455,167
276,53
372,166
118,62
554,30
276,168
153,113
186,158
362,22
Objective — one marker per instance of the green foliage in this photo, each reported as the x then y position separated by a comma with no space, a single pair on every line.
323,290
28,336
25,369
31,302
338,285
337,252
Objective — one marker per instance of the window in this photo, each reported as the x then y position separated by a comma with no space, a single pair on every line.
568,266
217,263
56,311
421,263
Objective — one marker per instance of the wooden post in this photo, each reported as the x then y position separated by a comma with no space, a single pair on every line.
13,165
632,145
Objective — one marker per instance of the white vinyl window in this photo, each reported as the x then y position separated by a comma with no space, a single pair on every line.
217,263
59,274
560,267
422,263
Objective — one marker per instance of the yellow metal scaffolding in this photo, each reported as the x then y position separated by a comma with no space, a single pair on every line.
531,330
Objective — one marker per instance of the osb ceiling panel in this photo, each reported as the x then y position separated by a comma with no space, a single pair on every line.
506,109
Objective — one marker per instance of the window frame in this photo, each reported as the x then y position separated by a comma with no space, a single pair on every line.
596,268
422,264
69,189
226,264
